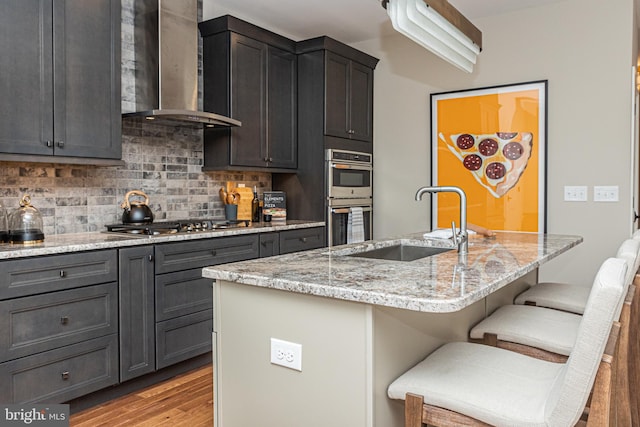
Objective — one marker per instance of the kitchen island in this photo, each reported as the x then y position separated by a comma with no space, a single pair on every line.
361,322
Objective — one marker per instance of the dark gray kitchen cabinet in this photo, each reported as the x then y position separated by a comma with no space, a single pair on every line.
58,326
269,244
136,311
62,374
249,74
184,303
302,239
335,95
60,91
349,98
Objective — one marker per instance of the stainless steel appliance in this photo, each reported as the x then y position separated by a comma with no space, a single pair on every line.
349,174
349,178
181,226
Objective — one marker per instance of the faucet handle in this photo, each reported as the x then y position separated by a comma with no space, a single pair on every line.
454,234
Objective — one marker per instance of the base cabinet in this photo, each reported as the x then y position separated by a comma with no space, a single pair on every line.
136,311
73,324
58,326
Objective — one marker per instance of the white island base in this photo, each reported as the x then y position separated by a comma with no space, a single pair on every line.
351,352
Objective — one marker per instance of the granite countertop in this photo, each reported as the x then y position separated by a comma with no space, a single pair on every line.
437,283
77,242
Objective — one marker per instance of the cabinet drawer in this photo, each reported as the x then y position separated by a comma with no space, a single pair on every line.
182,292
63,374
172,257
301,239
29,276
183,338
42,322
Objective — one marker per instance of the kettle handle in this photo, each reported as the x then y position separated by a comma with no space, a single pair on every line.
125,204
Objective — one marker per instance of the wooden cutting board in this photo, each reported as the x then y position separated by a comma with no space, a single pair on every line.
244,204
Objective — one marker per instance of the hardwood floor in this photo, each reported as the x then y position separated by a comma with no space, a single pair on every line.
186,400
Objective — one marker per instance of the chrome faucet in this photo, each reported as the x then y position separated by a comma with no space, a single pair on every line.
460,238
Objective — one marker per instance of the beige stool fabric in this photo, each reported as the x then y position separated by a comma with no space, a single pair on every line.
504,388
573,297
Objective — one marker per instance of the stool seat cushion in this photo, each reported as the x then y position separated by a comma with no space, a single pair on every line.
487,383
561,296
539,327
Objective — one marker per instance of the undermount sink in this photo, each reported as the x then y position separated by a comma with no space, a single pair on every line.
401,252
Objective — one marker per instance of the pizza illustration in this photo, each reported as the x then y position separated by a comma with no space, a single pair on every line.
495,160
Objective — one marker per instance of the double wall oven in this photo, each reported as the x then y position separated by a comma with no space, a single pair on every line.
349,177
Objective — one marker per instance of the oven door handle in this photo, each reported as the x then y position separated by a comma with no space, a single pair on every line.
347,210
347,166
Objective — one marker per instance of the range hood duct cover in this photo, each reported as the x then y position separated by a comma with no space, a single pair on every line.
166,56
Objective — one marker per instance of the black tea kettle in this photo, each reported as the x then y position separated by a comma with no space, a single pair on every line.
136,212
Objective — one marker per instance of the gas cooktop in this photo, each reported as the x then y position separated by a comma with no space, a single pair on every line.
174,227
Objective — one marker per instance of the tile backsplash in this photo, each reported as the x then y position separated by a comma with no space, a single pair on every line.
163,161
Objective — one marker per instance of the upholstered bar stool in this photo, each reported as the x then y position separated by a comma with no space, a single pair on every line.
551,334
471,384
570,297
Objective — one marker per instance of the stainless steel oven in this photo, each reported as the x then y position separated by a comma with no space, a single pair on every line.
338,219
349,174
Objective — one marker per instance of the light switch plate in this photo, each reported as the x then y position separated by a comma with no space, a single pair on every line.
575,193
605,193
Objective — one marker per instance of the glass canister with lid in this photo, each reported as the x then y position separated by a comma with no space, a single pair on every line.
25,223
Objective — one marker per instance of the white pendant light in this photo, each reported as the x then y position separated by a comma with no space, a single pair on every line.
418,21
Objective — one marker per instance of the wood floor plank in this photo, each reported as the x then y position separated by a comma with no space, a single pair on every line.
186,400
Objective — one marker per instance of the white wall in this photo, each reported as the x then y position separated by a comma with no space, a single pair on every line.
585,50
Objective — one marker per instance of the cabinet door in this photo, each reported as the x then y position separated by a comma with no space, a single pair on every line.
137,318
281,129
336,96
269,244
248,101
26,89
87,85
361,102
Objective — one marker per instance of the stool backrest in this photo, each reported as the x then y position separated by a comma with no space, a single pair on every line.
571,391
629,251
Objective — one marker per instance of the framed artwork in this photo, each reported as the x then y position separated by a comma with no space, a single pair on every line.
491,142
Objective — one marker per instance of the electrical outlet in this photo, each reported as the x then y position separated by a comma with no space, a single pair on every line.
287,354
605,193
575,193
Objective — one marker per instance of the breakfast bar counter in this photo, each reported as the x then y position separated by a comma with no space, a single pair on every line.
361,321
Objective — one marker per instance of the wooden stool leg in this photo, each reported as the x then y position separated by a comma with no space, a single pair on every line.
634,358
621,364
413,410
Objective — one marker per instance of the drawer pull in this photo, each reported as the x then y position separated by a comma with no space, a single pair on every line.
214,253
63,273
64,320
65,375
303,239
150,258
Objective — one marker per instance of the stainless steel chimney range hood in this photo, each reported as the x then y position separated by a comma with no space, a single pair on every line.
166,56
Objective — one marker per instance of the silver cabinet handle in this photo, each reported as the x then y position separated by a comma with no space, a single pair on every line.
65,375
64,320
61,144
48,143
63,273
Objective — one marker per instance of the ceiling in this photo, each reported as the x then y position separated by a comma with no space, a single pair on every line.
349,21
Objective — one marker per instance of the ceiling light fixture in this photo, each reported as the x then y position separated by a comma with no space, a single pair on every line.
439,27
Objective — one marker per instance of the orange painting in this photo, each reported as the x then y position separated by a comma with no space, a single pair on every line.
491,143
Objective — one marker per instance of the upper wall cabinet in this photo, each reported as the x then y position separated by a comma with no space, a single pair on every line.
60,91
335,86
349,98
249,74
